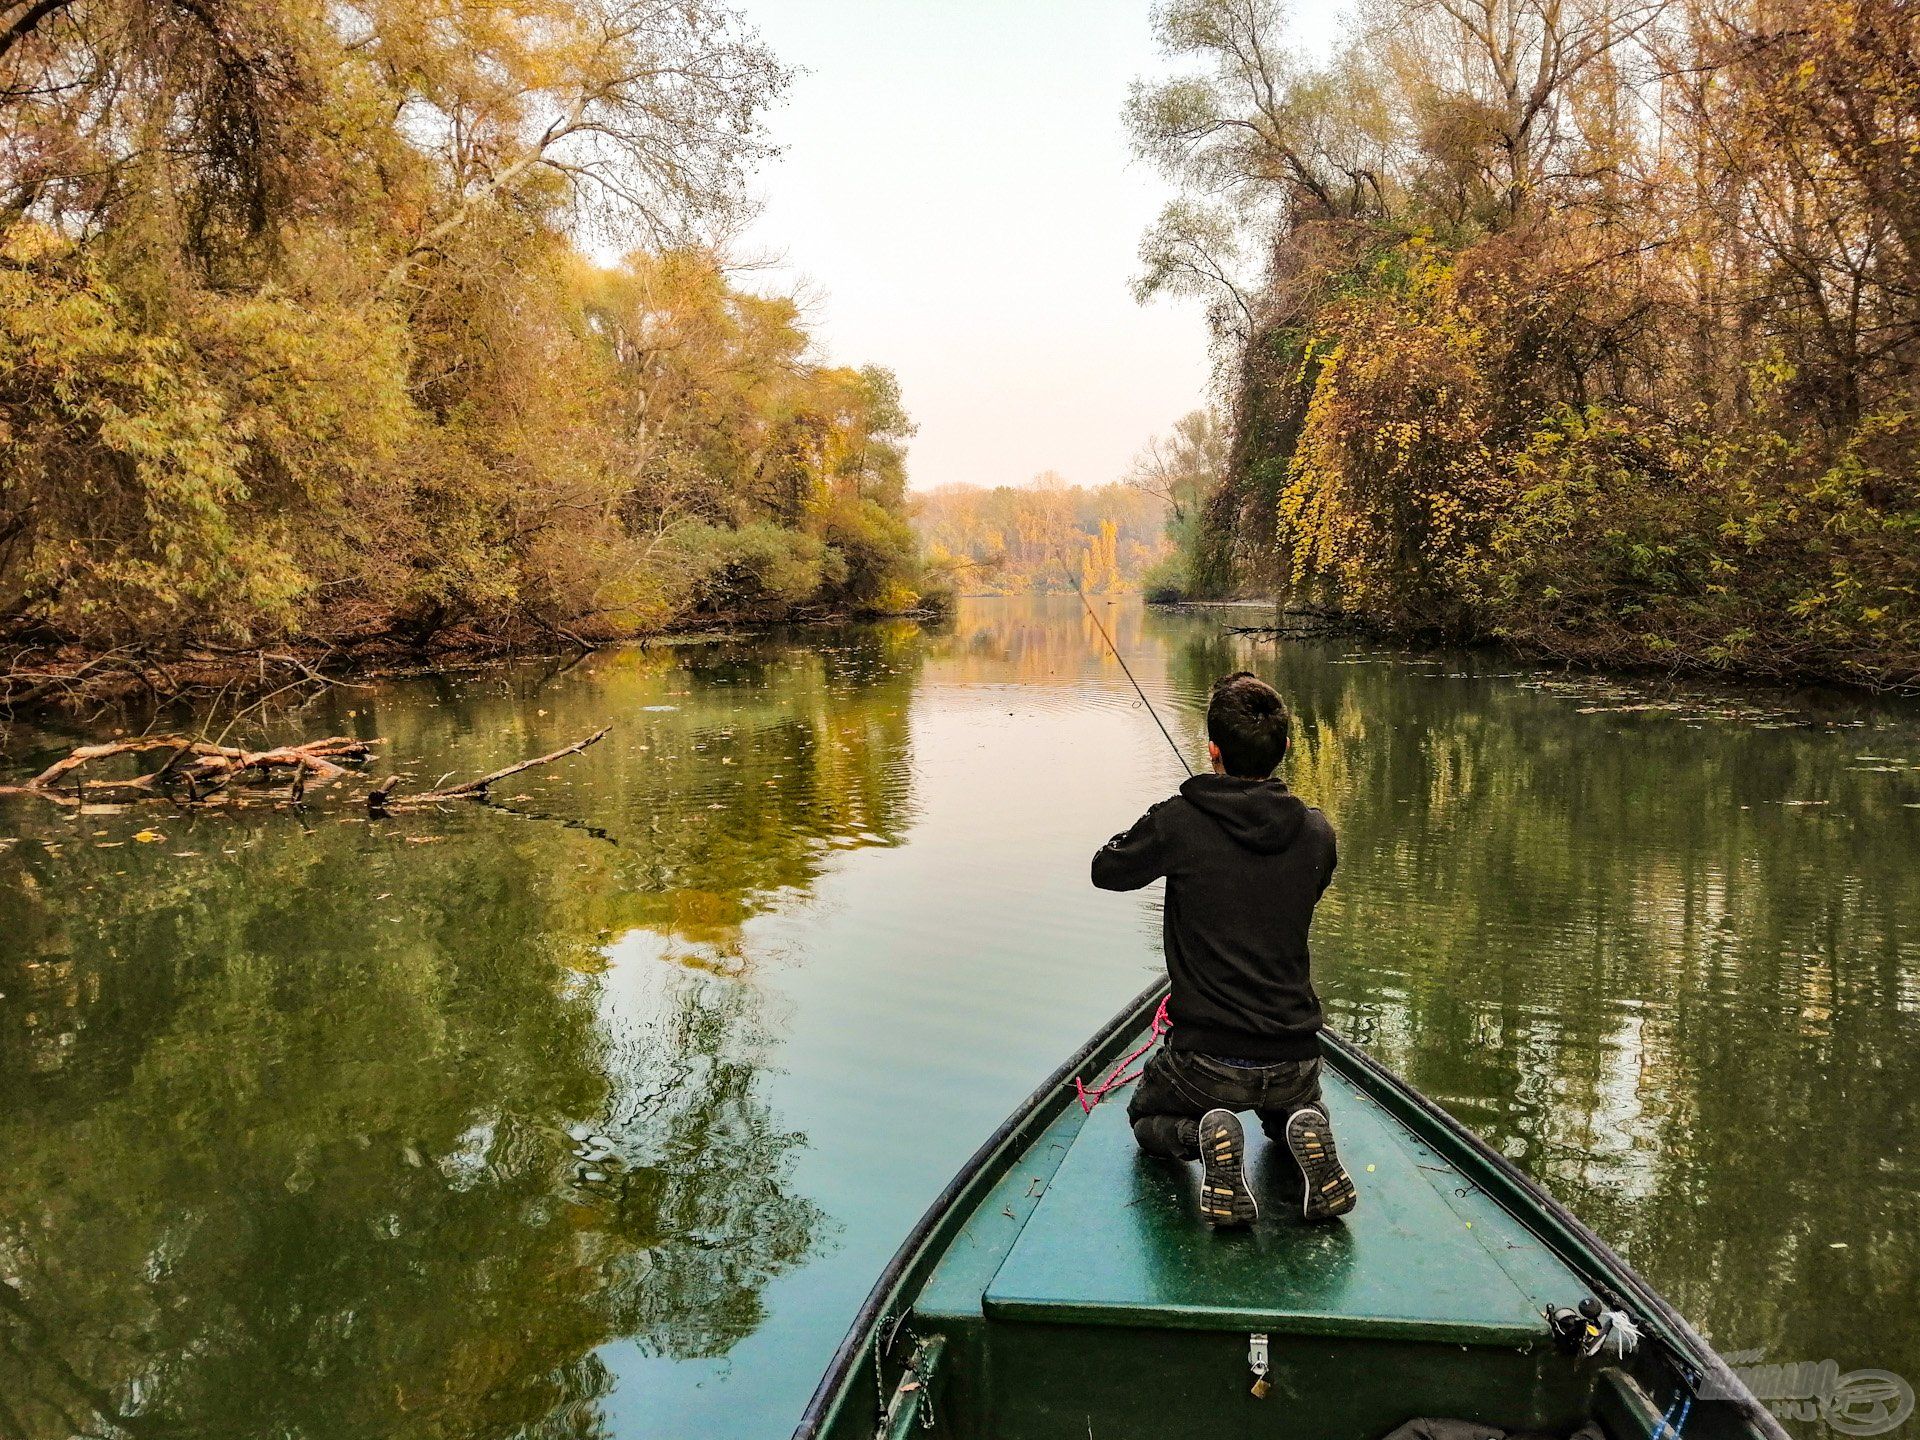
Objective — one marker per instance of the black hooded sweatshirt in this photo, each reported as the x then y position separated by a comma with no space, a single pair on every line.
1245,863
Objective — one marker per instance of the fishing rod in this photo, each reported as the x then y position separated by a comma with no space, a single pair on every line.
1125,669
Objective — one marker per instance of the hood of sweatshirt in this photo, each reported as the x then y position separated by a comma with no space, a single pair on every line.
1261,815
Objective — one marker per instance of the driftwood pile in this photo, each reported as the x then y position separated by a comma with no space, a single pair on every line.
199,773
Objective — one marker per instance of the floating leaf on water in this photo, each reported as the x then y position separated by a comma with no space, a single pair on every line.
148,837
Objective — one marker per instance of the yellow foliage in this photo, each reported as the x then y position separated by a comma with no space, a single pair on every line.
1622,369
323,353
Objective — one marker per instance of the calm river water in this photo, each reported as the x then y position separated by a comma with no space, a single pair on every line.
595,1114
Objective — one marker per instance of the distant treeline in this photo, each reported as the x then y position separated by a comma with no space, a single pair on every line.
1045,535
296,340
1594,326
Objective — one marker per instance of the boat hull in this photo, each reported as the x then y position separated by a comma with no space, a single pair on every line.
1060,1286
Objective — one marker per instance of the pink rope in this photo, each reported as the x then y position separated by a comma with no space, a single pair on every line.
1092,1095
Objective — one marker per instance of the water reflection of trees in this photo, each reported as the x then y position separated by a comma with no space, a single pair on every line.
1040,642
339,1135
736,769
1603,941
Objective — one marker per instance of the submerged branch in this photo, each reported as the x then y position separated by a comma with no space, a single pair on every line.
196,772
383,798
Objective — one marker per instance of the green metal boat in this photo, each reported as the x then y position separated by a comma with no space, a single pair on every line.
1062,1286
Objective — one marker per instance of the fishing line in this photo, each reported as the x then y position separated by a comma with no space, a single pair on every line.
1125,669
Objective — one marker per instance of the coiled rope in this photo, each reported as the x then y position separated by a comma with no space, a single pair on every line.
1092,1095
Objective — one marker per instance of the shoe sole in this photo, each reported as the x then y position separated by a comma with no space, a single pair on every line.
1226,1200
1329,1190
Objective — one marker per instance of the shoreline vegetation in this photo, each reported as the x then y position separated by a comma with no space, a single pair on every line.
76,680
312,360
1590,329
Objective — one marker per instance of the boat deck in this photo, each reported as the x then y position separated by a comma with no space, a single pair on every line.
1090,1231
1116,1240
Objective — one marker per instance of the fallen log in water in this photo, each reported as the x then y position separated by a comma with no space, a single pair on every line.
199,772
196,772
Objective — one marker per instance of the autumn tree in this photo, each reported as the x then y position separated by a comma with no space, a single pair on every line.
298,335
1585,323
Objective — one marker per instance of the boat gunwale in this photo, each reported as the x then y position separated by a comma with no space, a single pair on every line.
1562,1233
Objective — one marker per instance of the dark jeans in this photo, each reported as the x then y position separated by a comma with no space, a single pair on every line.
1182,1085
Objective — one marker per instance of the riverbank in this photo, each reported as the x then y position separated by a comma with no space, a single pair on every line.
73,678
1599,410
1615,652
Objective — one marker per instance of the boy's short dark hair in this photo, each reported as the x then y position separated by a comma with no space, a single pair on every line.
1248,721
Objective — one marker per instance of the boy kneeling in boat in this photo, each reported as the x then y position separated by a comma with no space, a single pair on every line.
1245,863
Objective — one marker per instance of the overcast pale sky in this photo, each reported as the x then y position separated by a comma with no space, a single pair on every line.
957,194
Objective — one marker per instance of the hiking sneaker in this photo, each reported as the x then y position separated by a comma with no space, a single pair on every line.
1329,1189
1226,1200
